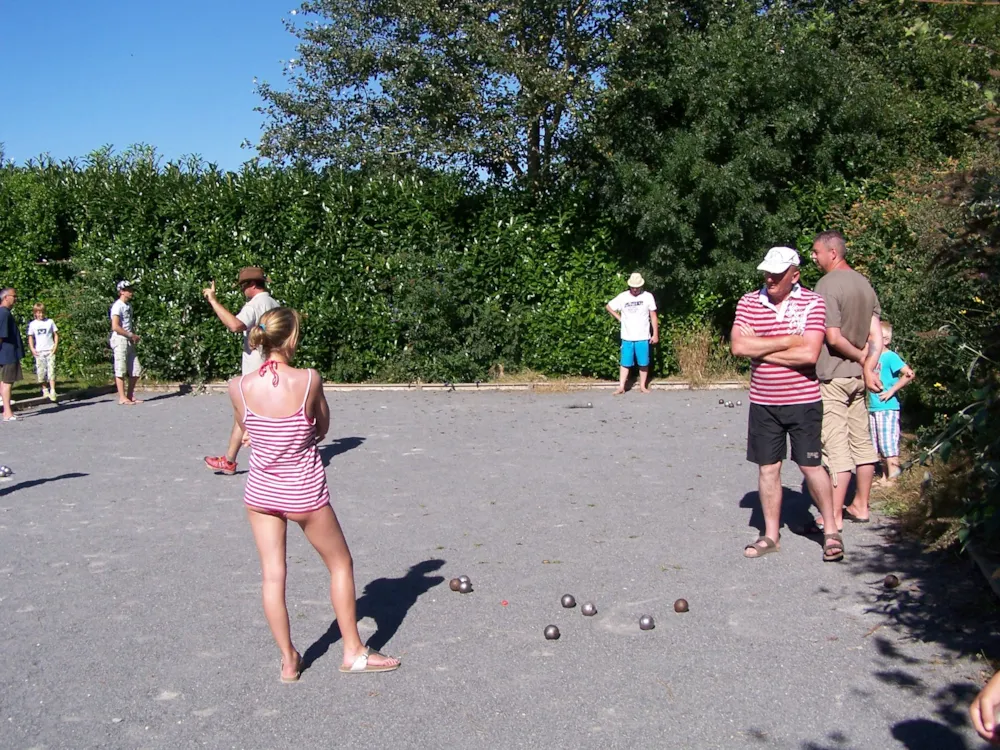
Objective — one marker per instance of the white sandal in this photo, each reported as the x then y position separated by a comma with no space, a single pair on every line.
361,664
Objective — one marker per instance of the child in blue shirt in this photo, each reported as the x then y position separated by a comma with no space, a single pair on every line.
883,408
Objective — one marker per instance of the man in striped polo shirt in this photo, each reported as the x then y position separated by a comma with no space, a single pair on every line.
781,328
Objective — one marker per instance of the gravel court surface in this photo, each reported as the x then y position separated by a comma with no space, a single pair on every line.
130,587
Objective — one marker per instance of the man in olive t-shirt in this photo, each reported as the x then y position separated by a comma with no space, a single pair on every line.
846,370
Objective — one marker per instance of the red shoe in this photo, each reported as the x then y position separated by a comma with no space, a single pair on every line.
220,463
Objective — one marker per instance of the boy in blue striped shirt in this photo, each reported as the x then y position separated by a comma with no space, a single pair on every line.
883,408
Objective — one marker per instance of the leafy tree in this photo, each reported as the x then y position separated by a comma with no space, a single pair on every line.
726,128
491,87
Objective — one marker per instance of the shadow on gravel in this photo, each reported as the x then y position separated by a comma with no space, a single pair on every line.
385,600
338,446
36,482
924,734
182,390
913,734
950,704
942,599
796,511
68,405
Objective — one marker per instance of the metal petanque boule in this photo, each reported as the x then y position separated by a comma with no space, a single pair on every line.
589,609
891,581
552,633
454,583
465,579
568,601
681,605
465,587
646,623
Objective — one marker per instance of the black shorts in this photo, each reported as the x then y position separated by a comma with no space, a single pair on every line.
768,426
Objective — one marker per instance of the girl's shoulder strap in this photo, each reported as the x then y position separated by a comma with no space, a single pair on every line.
309,381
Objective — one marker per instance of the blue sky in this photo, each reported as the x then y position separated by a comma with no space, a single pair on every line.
174,74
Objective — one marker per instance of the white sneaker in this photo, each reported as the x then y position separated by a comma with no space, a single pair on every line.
45,392
52,396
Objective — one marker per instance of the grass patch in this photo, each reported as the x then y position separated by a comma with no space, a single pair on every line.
703,356
928,501
542,382
28,388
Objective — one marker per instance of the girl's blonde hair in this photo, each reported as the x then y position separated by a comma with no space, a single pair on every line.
278,331
38,307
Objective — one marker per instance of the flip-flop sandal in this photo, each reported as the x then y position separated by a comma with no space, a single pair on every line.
856,519
764,545
298,674
833,552
361,664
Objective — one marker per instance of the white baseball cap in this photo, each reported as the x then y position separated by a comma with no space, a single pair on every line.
778,259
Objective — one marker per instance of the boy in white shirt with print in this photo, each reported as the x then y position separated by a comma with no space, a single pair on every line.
43,338
636,311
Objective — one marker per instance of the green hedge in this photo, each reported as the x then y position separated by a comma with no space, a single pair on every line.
398,278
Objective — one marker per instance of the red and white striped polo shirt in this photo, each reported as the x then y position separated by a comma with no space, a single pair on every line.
802,310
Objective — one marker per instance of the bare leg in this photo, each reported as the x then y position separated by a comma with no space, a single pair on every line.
5,397
644,379
131,389
843,479
769,489
818,482
269,534
324,533
622,379
122,397
892,468
864,475
235,441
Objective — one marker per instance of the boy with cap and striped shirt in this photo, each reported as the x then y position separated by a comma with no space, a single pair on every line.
253,284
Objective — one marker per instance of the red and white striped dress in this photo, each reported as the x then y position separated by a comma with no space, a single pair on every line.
286,471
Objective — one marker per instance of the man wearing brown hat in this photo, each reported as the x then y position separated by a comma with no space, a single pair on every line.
253,283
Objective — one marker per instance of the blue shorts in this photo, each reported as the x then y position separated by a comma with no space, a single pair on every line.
635,353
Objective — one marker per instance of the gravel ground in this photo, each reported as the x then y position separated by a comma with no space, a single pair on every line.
131,612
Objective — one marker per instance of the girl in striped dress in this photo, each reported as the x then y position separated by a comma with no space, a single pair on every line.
285,414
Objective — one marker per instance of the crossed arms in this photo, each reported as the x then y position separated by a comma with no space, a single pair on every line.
799,351
789,351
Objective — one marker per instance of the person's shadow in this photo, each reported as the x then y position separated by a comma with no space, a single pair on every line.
337,446
385,600
35,482
796,512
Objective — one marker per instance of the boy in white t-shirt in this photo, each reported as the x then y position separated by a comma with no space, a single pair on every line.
636,311
123,341
43,338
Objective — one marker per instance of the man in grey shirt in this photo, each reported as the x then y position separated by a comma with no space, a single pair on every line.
846,370
253,282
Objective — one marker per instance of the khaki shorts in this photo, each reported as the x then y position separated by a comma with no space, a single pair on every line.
45,366
126,362
847,441
10,374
